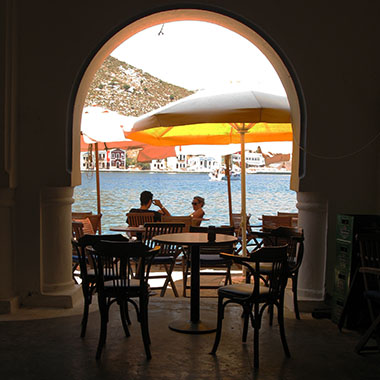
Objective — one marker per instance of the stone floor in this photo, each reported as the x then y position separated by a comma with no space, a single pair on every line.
43,344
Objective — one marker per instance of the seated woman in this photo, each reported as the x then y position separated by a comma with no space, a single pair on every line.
198,213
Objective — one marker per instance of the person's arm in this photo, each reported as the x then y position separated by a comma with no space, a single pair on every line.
162,210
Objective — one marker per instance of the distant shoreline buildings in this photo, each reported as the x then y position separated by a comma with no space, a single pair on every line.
119,160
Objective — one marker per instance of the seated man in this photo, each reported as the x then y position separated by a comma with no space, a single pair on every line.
146,200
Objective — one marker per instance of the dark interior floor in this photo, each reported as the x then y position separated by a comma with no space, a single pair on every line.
52,349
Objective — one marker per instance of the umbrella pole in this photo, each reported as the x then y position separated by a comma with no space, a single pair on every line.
97,181
243,195
227,160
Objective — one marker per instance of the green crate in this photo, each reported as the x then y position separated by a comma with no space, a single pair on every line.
345,227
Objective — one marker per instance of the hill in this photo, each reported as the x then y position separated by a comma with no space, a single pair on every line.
123,88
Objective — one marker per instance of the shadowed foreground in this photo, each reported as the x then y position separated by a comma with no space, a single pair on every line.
52,349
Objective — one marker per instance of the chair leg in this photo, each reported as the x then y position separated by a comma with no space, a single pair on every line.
145,327
256,330
123,316
185,273
280,317
228,279
219,325
295,298
103,329
169,279
87,295
246,315
364,339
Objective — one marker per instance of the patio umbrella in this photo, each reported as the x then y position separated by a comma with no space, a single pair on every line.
218,118
100,126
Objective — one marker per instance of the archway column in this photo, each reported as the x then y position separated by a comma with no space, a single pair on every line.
313,219
57,286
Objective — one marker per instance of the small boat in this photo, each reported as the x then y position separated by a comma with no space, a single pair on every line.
220,175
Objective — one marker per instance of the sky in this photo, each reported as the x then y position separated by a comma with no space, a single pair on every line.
198,55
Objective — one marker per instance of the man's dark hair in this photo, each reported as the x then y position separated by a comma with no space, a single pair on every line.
145,197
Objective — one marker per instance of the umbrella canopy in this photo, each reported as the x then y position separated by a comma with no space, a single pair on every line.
218,118
101,126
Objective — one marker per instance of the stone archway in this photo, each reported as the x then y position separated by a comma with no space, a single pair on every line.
312,209
271,52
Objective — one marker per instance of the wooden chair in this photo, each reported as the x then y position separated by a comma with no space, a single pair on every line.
135,219
168,253
369,247
187,220
294,215
273,221
210,258
86,260
254,298
294,239
91,222
251,237
116,283
83,223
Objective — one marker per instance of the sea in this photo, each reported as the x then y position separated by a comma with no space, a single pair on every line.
120,191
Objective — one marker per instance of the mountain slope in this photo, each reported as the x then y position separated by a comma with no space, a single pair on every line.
123,88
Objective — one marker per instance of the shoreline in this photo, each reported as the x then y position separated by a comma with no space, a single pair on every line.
178,172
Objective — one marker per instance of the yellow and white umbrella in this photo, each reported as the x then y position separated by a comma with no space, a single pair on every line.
218,118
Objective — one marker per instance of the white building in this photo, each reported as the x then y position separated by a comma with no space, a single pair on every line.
251,159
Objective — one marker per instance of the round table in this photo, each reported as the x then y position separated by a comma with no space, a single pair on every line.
194,240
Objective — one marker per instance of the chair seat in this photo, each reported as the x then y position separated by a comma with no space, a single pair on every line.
240,290
163,260
213,260
373,295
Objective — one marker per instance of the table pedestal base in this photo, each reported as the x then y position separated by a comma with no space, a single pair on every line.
192,327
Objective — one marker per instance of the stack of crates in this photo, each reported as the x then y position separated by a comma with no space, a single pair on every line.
347,262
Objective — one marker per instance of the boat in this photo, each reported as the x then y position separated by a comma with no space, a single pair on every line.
220,175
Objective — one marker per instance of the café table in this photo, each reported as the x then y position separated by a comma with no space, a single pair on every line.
139,230
194,241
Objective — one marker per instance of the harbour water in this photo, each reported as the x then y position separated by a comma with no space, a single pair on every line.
120,191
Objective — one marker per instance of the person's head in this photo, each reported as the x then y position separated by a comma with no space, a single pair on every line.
146,198
198,202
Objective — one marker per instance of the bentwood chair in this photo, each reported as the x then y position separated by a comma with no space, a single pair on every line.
116,282
83,247
369,247
210,258
167,255
254,298
294,239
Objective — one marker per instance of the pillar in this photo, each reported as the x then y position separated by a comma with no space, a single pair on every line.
313,219
57,286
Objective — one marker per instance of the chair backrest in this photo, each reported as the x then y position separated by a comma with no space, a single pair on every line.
369,248
77,230
277,279
225,230
91,222
273,221
294,238
294,216
135,219
187,220
85,254
115,262
160,228
236,221
216,249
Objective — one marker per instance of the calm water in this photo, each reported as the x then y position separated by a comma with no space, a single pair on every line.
120,191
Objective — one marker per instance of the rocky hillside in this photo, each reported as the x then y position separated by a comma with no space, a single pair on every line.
130,91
